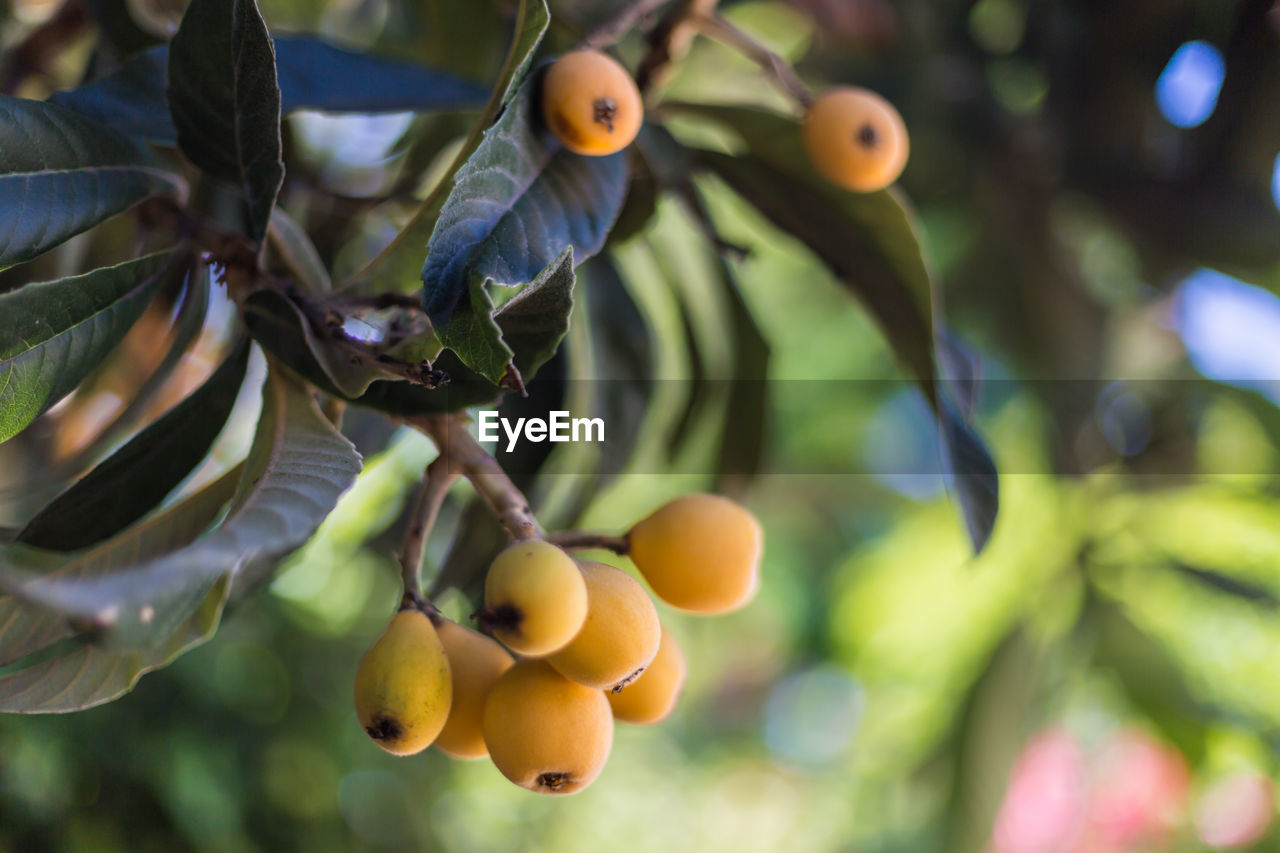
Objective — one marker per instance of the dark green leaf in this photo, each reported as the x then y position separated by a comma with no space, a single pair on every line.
312,75
26,628
296,471
61,174
971,472
533,322
55,333
138,476
225,102
517,204
870,243
348,378
130,99
400,263
298,253
866,239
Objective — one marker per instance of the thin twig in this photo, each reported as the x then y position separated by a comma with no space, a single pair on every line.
669,41
611,31
465,456
581,540
720,29
436,481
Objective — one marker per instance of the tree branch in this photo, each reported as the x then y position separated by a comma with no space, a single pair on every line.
669,41
611,31
577,540
465,456
716,26
436,481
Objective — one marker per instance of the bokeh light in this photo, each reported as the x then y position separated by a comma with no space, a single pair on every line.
1187,90
1231,330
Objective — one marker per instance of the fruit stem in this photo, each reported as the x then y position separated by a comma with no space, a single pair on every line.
669,41
583,540
436,480
612,30
716,26
460,451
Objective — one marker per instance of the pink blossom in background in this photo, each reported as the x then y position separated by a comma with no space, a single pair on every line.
1235,811
1044,806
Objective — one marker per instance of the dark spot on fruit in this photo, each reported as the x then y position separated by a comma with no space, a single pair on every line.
606,110
867,136
553,781
504,617
617,688
384,728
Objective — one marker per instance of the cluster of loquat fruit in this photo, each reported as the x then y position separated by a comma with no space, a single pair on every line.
853,137
589,643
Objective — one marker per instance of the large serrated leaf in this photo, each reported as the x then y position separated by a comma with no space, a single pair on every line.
225,101
61,173
517,204
134,479
54,333
26,628
297,468
89,675
312,75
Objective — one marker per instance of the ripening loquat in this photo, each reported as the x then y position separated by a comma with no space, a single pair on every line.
699,552
591,103
545,732
403,688
476,662
535,598
856,139
652,696
620,635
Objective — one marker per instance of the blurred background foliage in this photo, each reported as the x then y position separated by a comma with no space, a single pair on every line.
1098,184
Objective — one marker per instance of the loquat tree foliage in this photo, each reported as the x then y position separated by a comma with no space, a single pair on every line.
261,325
179,146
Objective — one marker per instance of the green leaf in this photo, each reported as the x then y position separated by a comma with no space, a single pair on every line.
26,628
225,101
55,333
298,467
517,204
400,262
138,476
532,323
869,241
349,379
61,174
298,253
312,74
89,675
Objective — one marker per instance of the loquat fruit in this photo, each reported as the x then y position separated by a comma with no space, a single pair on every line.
652,696
535,598
545,732
476,662
403,688
699,552
620,635
591,103
856,139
